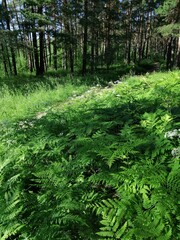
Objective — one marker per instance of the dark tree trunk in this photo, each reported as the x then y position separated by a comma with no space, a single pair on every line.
49,50
84,63
30,55
4,4
54,43
107,40
169,58
13,61
41,53
69,45
4,60
171,53
54,54
129,51
97,49
41,44
66,59
92,54
129,33
71,59
92,49
8,60
35,48
141,38
178,53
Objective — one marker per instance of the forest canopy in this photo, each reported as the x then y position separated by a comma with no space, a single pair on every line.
85,35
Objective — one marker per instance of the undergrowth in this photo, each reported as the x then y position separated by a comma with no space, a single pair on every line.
23,103
102,165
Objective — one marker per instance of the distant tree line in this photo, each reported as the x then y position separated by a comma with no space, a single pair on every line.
38,35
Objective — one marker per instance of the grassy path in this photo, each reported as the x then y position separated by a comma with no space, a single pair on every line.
15,106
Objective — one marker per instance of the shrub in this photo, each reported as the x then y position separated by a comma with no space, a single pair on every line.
146,65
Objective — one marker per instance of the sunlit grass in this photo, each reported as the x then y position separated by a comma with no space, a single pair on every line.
27,99
17,105
70,148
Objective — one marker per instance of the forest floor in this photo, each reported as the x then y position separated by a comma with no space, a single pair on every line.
28,97
71,152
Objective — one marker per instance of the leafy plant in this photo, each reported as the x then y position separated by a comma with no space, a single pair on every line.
102,165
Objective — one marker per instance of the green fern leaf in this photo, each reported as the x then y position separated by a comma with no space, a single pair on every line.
105,234
121,231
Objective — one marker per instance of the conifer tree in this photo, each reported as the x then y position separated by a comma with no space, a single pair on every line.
170,12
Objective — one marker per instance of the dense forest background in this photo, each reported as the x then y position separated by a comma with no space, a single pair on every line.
85,35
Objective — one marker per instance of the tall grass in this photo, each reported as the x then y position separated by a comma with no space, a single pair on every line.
21,97
18,105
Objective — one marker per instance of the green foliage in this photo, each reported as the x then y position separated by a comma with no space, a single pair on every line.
148,65
103,165
25,101
169,10
170,29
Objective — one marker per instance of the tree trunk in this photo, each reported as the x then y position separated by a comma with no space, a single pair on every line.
92,54
54,44
35,47
13,61
49,50
84,63
4,60
97,49
36,56
54,53
4,4
141,38
68,31
107,40
129,33
178,53
41,52
169,58
41,44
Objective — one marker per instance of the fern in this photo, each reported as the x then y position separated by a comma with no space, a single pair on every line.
101,164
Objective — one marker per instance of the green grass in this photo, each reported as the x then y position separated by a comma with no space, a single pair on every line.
19,105
103,163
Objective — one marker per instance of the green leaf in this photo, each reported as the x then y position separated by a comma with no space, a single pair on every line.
120,232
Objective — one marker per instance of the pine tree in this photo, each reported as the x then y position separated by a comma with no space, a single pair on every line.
170,12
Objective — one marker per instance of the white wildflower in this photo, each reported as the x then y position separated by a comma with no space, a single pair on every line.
61,134
176,152
172,134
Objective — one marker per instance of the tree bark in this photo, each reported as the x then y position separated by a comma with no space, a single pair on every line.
41,43
169,58
4,4
84,63
178,53
4,60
